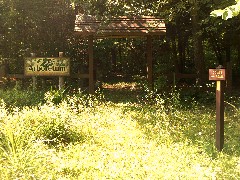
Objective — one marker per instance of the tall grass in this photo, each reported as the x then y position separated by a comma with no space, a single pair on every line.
81,136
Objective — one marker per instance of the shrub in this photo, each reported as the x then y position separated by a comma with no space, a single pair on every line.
19,98
58,132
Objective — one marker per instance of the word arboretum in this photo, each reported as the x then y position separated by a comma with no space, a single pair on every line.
47,66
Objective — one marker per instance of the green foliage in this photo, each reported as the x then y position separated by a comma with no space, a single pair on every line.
228,12
55,96
18,98
125,57
88,137
49,29
75,98
43,27
119,8
55,132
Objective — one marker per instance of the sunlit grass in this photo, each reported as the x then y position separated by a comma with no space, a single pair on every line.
89,137
121,85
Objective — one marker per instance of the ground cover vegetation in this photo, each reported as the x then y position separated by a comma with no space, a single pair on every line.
112,136
134,133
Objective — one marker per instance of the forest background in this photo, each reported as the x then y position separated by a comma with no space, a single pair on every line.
195,40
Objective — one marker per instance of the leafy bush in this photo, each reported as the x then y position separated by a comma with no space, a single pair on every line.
18,98
55,132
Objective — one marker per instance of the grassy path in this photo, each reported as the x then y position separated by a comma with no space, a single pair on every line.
119,149
109,140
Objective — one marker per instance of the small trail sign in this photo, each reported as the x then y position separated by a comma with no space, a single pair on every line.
47,66
219,76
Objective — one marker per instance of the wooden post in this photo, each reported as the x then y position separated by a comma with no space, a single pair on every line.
219,75
61,78
228,60
34,78
219,115
91,65
149,62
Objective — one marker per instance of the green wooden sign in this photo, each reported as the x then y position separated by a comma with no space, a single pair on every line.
47,66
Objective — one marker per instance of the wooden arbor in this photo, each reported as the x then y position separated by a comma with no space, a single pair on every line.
139,26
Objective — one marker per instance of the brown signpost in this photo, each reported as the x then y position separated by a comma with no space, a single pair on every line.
47,66
219,76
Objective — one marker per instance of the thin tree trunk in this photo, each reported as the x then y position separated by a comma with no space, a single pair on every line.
228,63
174,55
181,51
114,59
197,44
238,50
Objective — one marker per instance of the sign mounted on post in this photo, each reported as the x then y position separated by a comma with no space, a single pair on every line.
46,66
219,76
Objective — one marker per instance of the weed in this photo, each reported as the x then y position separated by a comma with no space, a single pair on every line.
81,136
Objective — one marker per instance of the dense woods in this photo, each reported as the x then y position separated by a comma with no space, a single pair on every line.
195,40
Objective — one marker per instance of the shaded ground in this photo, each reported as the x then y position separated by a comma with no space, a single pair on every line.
116,91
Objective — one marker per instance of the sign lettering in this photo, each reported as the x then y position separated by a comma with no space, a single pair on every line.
47,66
217,74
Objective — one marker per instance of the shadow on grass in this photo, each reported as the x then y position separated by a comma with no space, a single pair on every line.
122,92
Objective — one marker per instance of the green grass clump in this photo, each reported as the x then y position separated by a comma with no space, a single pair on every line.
14,97
91,137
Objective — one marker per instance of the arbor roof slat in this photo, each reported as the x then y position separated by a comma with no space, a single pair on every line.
119,27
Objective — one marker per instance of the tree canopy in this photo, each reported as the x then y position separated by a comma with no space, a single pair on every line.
195,40
228,12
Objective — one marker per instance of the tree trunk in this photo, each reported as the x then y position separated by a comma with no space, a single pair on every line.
175,56
197,44
217,49
181,46
181,51
238,50
114,59
171,35
228,63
